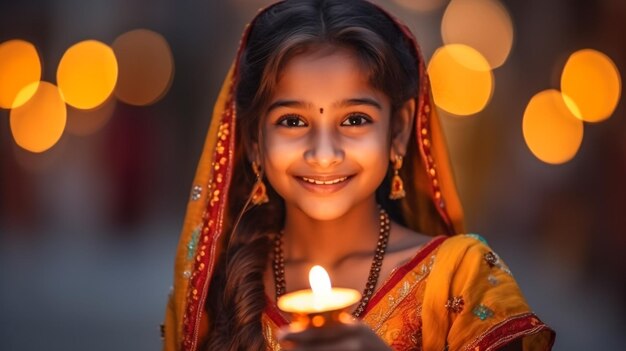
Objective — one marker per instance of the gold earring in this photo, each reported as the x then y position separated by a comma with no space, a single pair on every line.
397,185
259,192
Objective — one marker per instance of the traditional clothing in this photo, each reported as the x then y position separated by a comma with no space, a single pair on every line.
455,293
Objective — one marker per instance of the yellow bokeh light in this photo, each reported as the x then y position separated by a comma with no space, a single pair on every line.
146,67
87,74
484,25
571,105
592,81
86,122
420,5
461,79
552,133
39,123
19,67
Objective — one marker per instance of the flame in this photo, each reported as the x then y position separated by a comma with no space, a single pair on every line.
320,284
321,297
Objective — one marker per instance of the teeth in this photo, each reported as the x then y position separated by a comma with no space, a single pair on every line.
324,182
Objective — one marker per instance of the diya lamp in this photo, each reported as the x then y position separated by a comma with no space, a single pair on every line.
319,306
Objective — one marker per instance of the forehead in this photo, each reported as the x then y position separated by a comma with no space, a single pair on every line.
325,72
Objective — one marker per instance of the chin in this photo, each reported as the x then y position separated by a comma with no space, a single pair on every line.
324,210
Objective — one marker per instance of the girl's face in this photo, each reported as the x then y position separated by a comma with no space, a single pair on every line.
326,140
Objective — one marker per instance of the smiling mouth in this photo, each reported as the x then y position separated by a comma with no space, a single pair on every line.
325,181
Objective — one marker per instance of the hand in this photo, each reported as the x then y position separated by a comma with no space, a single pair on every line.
344,337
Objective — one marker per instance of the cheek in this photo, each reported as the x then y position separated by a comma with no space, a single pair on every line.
375,144
278,155
372,153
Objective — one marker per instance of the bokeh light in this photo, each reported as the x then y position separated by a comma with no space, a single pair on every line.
551,131
484,25
87,74
462,81
146,67
19,67
421,5
592,81
87,122
39,123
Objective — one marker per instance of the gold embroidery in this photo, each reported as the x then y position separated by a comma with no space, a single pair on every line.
379,315
215,197
268,334
219,148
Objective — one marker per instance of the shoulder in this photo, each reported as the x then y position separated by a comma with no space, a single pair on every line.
405,244
466,240
468,259
483,307
465,246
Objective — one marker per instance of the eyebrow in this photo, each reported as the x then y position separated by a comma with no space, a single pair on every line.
359,101
289,103
343,103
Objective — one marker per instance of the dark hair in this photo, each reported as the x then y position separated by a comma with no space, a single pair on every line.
237,297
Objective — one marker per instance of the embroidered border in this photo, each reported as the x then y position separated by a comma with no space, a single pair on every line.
403,270
268,333
273,313
507,331
218,185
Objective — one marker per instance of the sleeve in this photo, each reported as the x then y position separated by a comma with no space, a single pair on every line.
472,302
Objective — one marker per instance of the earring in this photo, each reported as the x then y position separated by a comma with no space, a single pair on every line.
259,192
397,186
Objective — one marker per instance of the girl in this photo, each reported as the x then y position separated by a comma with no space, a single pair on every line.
325,149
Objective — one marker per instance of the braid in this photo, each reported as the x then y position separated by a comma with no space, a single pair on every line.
236,297
237,312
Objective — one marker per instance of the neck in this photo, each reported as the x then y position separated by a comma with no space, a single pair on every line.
326,243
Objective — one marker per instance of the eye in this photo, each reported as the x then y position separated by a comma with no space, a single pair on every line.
291,121
355,120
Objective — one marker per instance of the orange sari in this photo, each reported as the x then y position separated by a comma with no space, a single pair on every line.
455,294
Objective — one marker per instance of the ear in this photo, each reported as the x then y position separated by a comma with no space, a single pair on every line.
401,129
252,152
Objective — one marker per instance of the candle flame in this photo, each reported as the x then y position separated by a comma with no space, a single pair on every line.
320,284
319,280
320,298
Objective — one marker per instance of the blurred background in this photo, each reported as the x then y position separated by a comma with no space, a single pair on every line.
97,159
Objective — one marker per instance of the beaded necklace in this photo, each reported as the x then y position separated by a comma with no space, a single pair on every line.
372,279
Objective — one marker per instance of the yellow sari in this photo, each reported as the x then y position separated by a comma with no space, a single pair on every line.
455,294
409,310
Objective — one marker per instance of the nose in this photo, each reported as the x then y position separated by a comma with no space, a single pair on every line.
325,149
